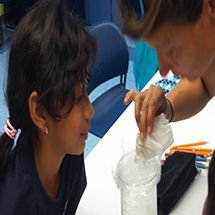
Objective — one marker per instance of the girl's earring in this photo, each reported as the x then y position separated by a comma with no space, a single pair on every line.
46,131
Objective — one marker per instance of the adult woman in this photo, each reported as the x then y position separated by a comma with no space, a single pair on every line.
183,33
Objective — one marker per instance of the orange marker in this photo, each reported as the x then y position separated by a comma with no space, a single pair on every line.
191,144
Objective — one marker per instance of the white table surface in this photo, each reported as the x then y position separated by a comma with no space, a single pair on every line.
102,196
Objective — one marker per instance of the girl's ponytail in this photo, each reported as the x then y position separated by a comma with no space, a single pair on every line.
6,144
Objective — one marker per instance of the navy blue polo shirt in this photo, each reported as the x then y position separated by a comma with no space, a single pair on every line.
21,191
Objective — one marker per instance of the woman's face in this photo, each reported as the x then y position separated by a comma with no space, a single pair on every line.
186,50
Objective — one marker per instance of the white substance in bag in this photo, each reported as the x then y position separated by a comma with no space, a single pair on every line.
156,143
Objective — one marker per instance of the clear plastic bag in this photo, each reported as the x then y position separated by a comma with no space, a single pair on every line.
156,143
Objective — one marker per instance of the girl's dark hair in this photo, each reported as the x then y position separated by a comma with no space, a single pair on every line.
177,12
51,53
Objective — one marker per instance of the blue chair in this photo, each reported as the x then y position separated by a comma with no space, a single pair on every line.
1,31
112,61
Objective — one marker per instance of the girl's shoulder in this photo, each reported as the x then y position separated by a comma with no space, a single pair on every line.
13,186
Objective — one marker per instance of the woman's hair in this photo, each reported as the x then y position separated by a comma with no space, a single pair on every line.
51,53
177,12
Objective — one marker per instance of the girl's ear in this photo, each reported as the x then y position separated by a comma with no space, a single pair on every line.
37,111
211,4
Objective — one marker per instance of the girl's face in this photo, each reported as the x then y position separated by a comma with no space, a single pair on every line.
68,135
187,50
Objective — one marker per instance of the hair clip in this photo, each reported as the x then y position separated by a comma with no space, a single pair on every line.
10,130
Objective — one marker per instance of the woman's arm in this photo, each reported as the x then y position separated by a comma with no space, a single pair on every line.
187,98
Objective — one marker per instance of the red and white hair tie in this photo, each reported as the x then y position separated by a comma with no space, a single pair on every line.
10,130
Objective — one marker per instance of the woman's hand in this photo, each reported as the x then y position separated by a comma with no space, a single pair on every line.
148,104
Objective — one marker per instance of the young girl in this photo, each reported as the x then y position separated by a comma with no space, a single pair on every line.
47,100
